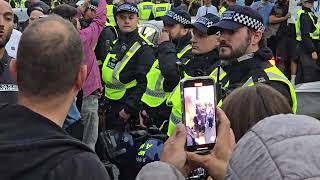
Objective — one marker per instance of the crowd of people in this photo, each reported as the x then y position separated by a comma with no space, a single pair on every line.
80,68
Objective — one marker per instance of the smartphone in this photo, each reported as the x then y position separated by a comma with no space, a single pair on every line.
199,113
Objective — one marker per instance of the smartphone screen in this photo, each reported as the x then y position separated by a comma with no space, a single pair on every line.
200,114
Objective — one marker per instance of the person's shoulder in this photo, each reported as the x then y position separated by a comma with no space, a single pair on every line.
77,167
201,7
16,32
144,41
254,4
213,7
13,109
304,17
270,5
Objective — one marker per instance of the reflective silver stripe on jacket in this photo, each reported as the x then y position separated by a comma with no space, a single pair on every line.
157,94
133,48
269,74
114,86
174,119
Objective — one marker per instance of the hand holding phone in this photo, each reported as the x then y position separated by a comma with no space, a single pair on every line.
199,113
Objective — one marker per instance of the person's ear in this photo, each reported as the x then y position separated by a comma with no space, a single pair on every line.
82,75
185,31
257,36
13,69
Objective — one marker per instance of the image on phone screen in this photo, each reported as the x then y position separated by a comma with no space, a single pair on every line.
199,115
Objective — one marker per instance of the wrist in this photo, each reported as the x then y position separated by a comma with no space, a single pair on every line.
217,170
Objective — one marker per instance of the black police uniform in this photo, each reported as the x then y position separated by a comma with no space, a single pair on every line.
308,70
167,56
253,66
137,68
107,36
202,65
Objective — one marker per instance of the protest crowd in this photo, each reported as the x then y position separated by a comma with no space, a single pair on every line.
94,89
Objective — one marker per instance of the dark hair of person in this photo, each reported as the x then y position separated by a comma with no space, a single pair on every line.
246,106
15,19
48,61
66,11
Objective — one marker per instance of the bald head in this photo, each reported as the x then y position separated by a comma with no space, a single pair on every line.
6,23
49,58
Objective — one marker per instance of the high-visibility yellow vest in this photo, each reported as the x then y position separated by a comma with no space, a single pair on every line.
174,100
111,69
145,10
274,74
155,95
314,35
161,9
110,15
16,4
222,10
22,4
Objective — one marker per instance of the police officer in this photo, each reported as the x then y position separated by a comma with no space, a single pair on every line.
174,45
307,32
240,45
204,62
161,9
145,10
225,5
108,35
125,67
110,15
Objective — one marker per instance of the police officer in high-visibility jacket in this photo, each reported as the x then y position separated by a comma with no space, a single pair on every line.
110,14
204,62
124,69
225,5
240,45
174,45
145,10
107,36
307,32
161,9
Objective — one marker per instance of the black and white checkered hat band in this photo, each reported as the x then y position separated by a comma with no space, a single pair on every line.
205,21
127,7
244,20
178,18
